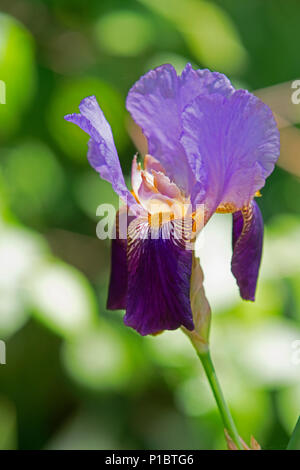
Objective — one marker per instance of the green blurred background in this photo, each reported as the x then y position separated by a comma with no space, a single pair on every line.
76,377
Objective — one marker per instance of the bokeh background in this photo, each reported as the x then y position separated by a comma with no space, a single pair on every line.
76,377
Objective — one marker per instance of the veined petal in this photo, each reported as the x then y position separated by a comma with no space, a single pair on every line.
156,102
232,144
102,153
117,292
201,82
247,240
159,271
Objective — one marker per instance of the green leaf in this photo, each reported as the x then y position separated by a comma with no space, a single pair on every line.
294,443
8,425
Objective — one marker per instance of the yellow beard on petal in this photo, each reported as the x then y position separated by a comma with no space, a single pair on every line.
230,208
227,208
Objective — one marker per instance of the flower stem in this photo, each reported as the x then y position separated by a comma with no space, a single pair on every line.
229,425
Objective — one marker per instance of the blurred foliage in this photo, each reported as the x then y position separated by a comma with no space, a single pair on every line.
75,376
8,425
17,70
124,33
207,30
31,172
66,99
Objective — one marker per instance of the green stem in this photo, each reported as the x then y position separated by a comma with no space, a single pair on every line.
294,443
219,397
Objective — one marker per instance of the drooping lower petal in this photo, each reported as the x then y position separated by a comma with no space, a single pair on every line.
102,153
247,241
117,292
159,271
118,277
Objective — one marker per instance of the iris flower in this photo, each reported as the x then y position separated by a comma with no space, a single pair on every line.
209,145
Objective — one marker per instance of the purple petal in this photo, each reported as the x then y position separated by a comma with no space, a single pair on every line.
247,240
102,153
117,292
159,271
156,102
200,82
232,144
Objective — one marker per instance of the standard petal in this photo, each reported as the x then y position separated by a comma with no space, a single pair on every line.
159,271
247,240
232,144
102,153
156,102
201,82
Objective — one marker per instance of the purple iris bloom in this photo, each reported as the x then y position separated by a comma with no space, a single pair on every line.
209,145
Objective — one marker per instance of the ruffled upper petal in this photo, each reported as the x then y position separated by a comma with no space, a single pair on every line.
200,82
102,153
247,240
232,144
156,102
